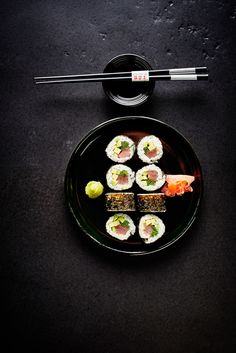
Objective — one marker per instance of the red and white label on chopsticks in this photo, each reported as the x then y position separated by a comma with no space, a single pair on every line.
140,76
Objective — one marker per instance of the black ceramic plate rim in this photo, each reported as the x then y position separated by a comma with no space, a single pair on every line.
67,191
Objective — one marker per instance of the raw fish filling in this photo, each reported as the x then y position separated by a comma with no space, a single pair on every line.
122,149
150,228
150,150
125,153
121,229
150,177
152,153
120,225
119,177
122,179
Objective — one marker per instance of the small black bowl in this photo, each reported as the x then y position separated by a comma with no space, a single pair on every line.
124,92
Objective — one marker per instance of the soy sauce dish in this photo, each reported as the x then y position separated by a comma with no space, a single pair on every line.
128,93
152,197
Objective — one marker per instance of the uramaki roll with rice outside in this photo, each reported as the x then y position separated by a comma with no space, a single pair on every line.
120,177
150,149
120,226
151,228
150,177
120,149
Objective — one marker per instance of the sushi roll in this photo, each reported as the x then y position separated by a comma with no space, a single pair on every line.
154,202
120,177
151,228
150,149
120,149
120,201
150,177
120,226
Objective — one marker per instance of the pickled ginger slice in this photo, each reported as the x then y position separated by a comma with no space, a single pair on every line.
177,185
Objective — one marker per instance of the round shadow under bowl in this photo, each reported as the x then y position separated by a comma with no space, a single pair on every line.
128,93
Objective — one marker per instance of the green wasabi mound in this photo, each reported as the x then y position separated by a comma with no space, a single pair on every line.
94,189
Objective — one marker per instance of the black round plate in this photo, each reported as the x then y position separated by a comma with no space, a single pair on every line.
89,162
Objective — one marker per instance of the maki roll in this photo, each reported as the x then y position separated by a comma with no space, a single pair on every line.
154,202
150,177
120,226
120,177
120,201
151,228
120,149
150,149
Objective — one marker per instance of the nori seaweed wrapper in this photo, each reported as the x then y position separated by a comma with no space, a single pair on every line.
120,201
154,202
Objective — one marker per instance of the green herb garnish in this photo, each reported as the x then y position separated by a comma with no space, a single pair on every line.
125,224
124,145
150,182
154,231
123,173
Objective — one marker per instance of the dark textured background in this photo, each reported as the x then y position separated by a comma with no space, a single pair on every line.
60,292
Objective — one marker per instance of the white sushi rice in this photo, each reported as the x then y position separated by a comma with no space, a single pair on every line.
154,221
113,233
141,178
155,143
114,147
112,174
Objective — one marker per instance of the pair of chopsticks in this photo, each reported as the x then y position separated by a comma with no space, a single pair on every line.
195,73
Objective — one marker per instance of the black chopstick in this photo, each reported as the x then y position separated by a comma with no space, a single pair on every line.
182,71
179,77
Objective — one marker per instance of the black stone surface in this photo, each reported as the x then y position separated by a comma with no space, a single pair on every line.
60,292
